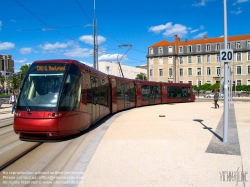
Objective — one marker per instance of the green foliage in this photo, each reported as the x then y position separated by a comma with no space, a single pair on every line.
24,69
209,87
141,76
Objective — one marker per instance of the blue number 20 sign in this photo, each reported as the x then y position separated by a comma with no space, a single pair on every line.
226,55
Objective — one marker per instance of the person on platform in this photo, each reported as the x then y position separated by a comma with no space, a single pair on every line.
13,101
216,98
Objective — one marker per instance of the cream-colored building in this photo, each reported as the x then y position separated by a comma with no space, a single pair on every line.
191,61
113,69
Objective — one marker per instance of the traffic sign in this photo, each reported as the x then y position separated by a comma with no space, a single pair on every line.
226,55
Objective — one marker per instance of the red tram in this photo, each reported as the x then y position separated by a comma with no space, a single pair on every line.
60,98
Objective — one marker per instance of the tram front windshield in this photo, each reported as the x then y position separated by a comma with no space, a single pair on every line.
41,86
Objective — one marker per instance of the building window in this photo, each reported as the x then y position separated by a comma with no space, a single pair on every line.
238,82
170,60
189,71
181,81
151,72
218,57
151,61
160,50
107,69
248,69
170,49
181,72
160,72
170,71
160,60
248,82
238,45
198,47
208,71
217,46
228,46
248,56
151,51
189,59
208,47
190,82
199,59
180,49
248,44
198,71
218,71
208,58
238,69
180,60
189,49
208,82
238,56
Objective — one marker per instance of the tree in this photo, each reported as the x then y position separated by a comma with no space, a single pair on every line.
23,70
141,76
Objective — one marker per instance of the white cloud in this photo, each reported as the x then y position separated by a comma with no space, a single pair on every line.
201,35
109,57
202,3
6,45
195,30
177,29
86,63
21,61
237,12
25,50
89,39
170,30
160,28
51,47
78,52
240,1
1,25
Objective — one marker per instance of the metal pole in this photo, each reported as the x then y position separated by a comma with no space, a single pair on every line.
220,79
225,117
94,39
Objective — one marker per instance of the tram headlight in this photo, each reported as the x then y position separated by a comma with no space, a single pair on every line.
17,114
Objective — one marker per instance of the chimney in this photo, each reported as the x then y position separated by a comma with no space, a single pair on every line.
205,37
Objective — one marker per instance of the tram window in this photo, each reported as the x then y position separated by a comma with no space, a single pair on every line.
174,92
71,93
146,92
131,92
157,92
120,92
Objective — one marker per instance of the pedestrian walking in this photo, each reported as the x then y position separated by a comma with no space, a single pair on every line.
13,101
216,97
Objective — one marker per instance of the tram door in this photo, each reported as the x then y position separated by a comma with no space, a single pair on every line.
152,95
126,95
184,94
95,99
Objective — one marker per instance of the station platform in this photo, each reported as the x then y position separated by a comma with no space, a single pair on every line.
171,145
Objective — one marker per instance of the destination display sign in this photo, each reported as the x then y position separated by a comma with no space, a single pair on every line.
50,68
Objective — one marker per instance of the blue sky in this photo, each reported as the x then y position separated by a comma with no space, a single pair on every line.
59,29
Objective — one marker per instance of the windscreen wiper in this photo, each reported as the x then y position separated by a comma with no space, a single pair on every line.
27,106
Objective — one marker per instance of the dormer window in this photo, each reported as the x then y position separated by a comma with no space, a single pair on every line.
238,45
198,47
151,51
208,47
170,49
160,50
189,49
180,49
